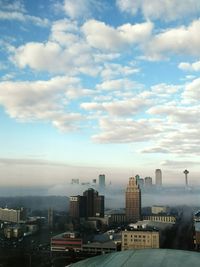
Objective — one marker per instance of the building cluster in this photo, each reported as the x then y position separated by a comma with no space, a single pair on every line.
91,204
138,231
147,182
101,184
15,223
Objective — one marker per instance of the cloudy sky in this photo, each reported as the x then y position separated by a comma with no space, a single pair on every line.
89,86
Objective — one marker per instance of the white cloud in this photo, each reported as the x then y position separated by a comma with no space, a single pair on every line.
124,131
192,90
179,164
160,9
77,8
187,42
112,70
105,37
124,107
16,5
165,89
190,66
16,11
54,58
41,100
119,84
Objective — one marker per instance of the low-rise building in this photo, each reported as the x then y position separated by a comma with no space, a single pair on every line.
197,235
13,231
12,215
197,216
159,209
116,219
100,248
140,237
66,241
161,218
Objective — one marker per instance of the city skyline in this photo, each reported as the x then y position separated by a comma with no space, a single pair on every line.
90,87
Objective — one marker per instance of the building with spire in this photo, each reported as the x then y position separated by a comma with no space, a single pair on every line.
133,201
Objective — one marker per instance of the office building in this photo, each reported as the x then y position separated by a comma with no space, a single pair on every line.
140,238
91,204
102,182
12,215
158,177
133,201
77,206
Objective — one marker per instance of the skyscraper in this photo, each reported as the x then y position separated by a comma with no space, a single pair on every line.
133,201
102,182
158,177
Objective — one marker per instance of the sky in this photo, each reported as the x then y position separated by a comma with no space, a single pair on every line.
90,86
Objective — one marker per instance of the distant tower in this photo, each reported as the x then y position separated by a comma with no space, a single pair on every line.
133,201
102,183
186,177
50,218
158,176
148,181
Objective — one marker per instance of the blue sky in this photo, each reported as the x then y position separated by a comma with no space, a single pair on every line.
104,86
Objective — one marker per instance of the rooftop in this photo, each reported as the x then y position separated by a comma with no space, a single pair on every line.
144,258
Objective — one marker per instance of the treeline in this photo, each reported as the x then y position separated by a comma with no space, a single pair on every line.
60,203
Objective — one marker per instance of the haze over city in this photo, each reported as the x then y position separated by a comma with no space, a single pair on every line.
93,86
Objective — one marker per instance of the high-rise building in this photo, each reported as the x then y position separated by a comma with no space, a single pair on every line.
102,182
158,177
50,217
91,204
148,181
133,201
77,206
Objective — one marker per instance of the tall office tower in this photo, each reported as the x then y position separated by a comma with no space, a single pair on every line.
102,183
148,181
158,177
77,206
91,204
94,203
133,201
